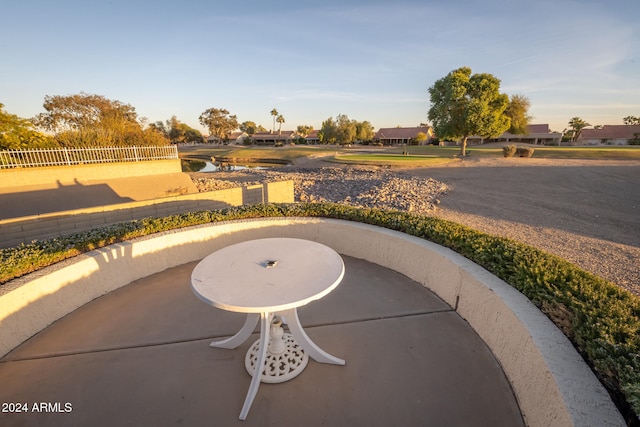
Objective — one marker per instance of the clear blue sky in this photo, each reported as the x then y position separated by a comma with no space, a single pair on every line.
370,60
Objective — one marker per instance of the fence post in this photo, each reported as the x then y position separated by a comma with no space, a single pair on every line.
135,153
66,156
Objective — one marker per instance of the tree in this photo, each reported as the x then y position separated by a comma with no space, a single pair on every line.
631,120
304,130
328,132
420,137
83,111
274,113
251,128
346,129
86,120
17,133
177,132
364,131
576,125
280,121
219,122
517,111
463,104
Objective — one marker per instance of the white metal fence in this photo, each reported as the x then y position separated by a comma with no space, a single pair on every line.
76,156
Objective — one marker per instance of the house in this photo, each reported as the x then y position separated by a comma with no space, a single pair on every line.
313,137
398,136
609,135
536,134
232,138
277,138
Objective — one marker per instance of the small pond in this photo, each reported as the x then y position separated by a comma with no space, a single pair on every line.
194,165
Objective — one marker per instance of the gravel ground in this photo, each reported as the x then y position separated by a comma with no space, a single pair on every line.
586,211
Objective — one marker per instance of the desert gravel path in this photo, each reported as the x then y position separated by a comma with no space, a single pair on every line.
586,211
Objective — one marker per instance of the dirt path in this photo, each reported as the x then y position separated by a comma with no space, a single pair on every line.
586,211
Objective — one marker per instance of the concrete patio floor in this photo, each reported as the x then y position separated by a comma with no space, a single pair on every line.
140,356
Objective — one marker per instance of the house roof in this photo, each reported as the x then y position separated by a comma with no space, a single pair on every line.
537,129
611,132
313,134
401,133
285,134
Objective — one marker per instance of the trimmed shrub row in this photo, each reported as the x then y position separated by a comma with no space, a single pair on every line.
601,319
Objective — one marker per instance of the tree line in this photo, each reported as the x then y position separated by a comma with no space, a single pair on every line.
462,104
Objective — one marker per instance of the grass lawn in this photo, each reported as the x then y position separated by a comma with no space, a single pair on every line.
282,153
392,156
618,153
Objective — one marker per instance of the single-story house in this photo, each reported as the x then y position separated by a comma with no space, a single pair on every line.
536,134
609,135
233,138
269,138
398,136
313,137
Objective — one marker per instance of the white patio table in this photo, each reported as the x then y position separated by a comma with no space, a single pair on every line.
269,279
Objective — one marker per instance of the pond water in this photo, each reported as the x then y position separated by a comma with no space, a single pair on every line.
191,165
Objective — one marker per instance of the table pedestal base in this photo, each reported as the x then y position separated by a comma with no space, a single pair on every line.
278,368
262,353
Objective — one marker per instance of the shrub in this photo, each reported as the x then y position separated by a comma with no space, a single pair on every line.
509,150
524,151
601,319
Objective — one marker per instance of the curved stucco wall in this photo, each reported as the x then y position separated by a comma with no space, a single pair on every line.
553,385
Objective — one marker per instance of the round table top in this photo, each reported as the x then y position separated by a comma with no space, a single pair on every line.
267,275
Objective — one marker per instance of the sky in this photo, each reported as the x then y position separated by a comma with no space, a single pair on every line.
311,60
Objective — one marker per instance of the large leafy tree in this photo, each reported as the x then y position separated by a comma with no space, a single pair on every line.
178,132
92,120
304,130
17,133
219,122
328,133
251,127
465,104
364,131
518,113
346,129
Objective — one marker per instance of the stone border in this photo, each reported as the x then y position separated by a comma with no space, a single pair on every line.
552,383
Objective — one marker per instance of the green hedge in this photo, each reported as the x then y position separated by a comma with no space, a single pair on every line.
601,319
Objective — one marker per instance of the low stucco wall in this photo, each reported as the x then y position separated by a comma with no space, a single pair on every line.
14,231
553,385
53,176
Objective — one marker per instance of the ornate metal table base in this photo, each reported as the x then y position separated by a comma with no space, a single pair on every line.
284,360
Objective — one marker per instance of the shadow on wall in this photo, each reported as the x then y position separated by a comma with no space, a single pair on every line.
65,197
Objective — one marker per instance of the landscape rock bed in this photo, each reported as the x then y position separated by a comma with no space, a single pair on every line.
356,186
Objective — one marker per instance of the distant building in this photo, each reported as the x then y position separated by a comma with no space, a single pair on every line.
536,134
609,135
276,138
233,138
313,137
399,136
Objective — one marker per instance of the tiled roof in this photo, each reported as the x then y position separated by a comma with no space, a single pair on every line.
541,128
611,132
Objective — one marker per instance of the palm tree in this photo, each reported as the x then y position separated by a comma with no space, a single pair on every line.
577,124
280,120
274,113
